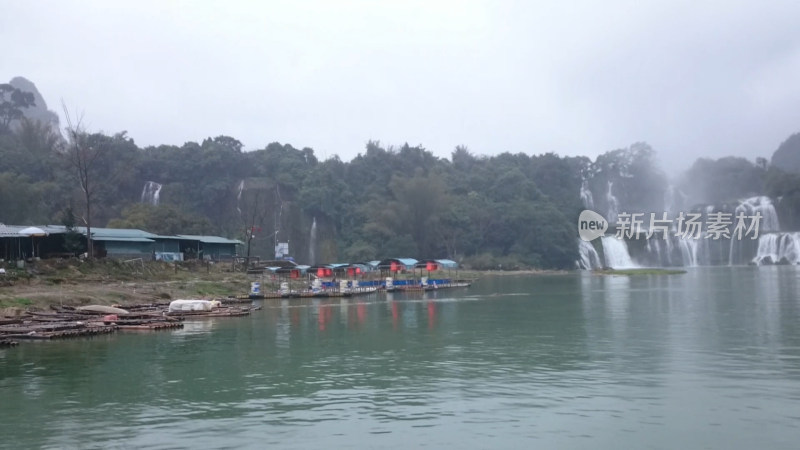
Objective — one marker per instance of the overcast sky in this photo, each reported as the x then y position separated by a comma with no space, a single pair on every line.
691,78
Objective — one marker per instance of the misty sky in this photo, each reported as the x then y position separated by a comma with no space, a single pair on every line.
581,77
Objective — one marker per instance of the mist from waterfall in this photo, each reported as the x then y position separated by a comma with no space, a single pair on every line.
150,193
674,200
743,242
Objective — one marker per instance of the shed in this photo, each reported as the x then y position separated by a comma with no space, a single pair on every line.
121,242
437,264
208,247
447,263
397,264
321,270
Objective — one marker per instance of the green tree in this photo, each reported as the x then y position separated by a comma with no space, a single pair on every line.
723,180
419,201
787,155
167,220
12,102
20,200
72,239
786,187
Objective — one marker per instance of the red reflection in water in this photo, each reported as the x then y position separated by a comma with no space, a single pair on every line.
395,315
361,312
431,314
324,316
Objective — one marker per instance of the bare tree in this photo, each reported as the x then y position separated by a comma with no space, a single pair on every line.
84,159
252,210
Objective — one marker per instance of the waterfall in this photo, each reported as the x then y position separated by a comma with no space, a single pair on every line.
735,252
151,192
670,247
688,248
586,195
589,257
760,205
613,205
653,249
312,243
778,248
616,253
239,196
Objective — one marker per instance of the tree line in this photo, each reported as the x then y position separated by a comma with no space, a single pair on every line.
504,211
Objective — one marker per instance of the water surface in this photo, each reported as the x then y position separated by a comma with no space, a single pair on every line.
708,359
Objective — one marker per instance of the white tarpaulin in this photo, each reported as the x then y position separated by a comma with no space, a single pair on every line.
32,231
192,305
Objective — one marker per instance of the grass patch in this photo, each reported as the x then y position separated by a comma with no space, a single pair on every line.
18,302
650,271
212,289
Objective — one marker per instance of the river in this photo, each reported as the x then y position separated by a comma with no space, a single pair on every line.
707,359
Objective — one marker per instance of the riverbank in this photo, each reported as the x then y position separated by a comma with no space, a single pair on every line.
46,283
73,282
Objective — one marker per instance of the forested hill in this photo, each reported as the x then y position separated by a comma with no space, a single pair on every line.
508,210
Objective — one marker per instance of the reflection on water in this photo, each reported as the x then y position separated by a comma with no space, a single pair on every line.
194,326
706,359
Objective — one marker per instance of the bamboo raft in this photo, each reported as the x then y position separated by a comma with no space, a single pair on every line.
66,322
39,331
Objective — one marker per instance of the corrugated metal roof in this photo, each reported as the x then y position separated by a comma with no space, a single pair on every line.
363,267
407,262
117,233
98,233
9,230
120,239
54,229
13,230
447,263
209,239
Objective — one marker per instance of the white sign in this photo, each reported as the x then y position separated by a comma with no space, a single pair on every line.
281,250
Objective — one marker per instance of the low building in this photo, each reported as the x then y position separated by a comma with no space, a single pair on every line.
207,247
397,264
121,243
